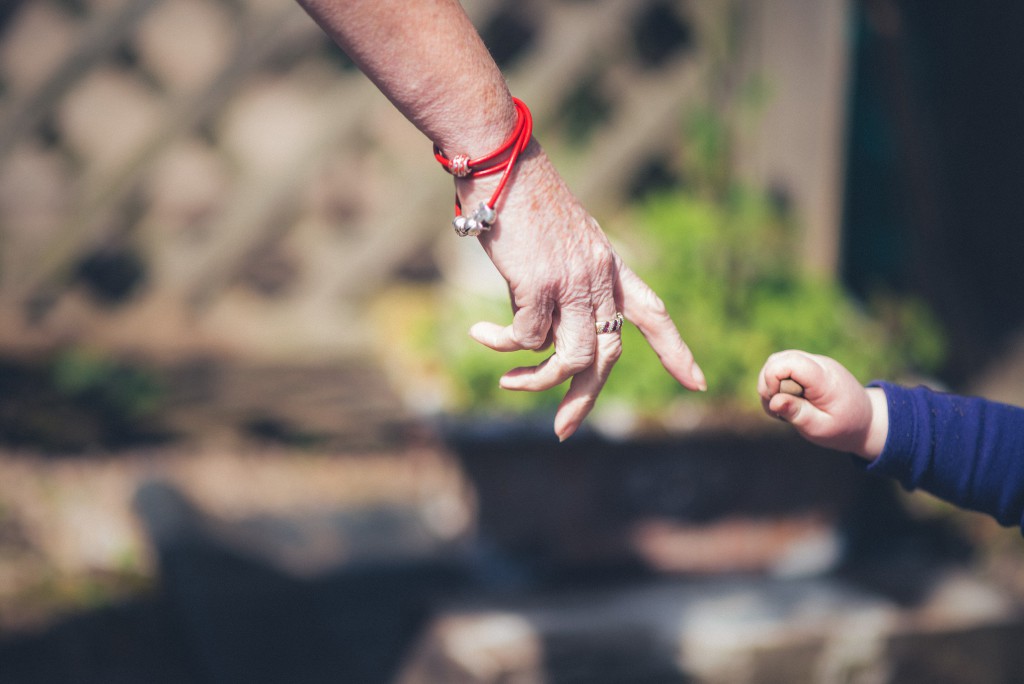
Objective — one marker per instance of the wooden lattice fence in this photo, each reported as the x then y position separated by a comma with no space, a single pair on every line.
181,173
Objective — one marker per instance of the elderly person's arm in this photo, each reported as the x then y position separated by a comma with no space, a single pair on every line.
563,275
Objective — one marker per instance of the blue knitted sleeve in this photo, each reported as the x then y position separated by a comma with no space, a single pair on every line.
966,450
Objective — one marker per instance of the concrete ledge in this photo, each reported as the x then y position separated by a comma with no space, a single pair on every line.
740,630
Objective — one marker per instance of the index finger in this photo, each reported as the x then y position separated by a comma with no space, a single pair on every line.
575,350
796,366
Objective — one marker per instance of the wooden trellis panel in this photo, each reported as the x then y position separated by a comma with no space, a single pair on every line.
263,186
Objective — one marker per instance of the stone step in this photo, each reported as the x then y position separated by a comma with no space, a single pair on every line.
728,630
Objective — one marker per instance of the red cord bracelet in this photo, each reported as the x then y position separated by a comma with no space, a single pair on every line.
461,166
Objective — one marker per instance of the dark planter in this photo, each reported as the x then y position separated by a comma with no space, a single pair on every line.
592,504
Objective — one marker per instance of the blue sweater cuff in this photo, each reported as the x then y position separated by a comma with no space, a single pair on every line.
896,459
966,450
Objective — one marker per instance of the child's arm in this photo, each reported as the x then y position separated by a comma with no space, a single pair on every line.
835,411
966,450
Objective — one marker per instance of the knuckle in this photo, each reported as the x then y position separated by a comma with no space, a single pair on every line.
656,306
532,339
530,332
575,360
602,256
649,310
609,358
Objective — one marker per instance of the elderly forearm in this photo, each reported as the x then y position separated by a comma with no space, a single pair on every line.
428,59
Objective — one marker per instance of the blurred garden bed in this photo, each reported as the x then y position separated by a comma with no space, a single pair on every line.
265,510
80,434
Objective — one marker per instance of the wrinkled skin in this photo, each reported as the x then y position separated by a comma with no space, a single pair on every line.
563,276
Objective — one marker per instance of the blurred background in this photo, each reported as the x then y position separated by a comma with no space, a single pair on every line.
244,436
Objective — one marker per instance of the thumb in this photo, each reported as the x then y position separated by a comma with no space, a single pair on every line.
786,407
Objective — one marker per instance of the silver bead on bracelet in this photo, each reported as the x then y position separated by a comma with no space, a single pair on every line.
482,219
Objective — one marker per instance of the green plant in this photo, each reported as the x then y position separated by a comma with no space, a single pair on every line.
113,385
725,270
727,274
722,257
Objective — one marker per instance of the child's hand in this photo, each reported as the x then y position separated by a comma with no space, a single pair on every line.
835,411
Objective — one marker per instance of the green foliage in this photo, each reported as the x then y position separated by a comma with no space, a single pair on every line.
113,385
475,368
727,272
724,260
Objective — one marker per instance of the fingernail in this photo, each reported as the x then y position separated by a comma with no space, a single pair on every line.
698,375
564,432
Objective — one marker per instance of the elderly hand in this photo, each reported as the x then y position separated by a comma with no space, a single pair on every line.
562,273
563,277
